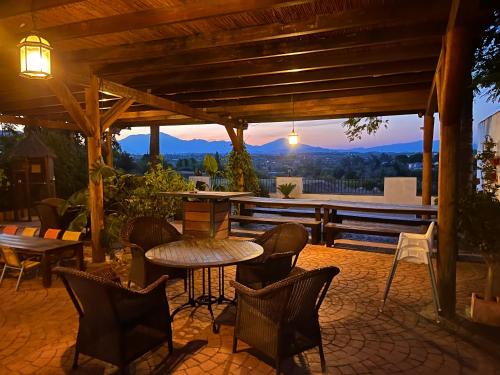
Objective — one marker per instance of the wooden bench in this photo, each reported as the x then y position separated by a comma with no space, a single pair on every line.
314,225
279,211
333,230
382,219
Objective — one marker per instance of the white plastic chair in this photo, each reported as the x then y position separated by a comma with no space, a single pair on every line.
415,248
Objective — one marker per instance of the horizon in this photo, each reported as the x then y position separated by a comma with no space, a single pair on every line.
400,129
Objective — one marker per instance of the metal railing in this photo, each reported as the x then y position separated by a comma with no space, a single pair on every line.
361,186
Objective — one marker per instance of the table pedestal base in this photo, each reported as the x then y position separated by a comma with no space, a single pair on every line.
206,298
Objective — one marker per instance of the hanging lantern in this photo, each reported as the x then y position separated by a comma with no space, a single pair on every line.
34,54
293,138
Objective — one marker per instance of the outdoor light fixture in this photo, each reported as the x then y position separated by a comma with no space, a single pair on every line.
293,138
34,54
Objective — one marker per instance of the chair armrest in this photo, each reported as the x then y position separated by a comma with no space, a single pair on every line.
254,293
151,288
281,255
412,236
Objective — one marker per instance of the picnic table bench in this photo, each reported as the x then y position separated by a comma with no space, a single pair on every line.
249,205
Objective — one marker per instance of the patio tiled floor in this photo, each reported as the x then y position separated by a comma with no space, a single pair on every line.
38,327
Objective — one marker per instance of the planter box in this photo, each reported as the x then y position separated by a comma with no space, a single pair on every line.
485,312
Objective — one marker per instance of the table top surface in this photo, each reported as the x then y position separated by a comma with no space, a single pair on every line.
204,252
216,195
35,244
341,205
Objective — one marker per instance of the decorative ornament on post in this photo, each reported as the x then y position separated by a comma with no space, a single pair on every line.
293,138
34,54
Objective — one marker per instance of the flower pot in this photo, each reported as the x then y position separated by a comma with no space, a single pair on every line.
485,312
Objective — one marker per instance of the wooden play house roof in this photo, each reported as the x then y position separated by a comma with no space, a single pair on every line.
227,61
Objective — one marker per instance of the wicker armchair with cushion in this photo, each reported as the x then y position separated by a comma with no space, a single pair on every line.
142,234
281,320
117,325
282,246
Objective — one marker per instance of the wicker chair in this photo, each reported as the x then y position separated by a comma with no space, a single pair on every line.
142,234
117,325
281,320
48,214
282,246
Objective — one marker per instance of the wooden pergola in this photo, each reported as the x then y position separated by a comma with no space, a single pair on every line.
232,62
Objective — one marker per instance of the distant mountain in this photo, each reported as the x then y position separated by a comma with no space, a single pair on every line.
409,147
139,144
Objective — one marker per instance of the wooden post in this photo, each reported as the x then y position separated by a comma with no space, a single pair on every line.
154,144
241,143
450,91
109,148
94,152
427,159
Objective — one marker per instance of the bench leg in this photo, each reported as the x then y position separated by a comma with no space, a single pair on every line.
315,234
330,237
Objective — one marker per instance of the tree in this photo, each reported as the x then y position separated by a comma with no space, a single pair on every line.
356,126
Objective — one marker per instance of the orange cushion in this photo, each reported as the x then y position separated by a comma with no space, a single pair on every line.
71,236
10,229
29,232
52,233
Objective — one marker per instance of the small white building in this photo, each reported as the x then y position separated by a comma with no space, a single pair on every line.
489,126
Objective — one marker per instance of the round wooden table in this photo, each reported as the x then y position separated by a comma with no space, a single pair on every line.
204,253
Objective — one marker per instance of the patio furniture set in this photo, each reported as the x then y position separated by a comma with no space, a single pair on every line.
276,304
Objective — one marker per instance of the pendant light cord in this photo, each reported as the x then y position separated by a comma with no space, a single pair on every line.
293,115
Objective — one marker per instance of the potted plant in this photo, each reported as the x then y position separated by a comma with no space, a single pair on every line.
286,189
479,224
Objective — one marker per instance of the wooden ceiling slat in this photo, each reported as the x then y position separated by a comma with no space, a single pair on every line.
405,13
313,61
189,11
50,124
431,34
308,76
10,8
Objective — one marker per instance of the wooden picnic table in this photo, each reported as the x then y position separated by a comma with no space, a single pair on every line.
206,213
45,248
282,203
330,208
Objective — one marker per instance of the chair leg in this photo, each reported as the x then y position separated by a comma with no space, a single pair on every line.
235,344
19,278
322,356
435,294
278,366
389,280
3,273
75,359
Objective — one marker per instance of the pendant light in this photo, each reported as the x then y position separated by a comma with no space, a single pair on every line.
34,55
293,138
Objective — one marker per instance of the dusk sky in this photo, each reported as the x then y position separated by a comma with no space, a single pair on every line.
324,133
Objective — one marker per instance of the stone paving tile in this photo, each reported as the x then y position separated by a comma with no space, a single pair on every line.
38,327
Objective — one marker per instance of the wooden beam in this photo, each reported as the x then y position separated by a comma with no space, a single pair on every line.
308,76
234,139
154,144
427,159
94,153
109,149
311,95
274,65
187,12
169,105
49,124
301,88
112,114
69,102
11,8
458,51
405,13
293,46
